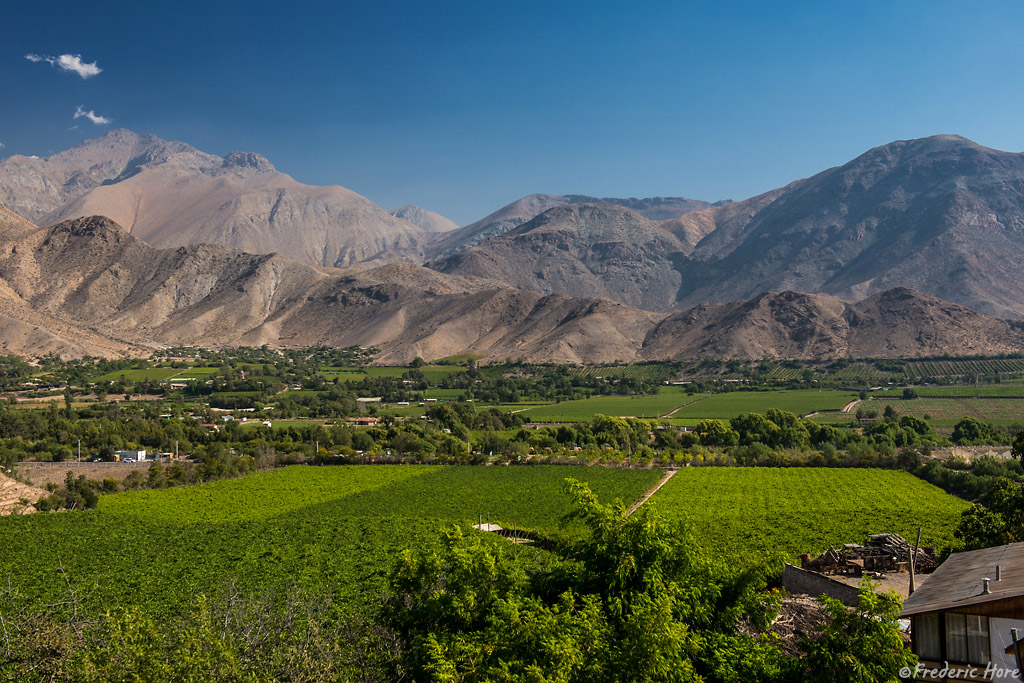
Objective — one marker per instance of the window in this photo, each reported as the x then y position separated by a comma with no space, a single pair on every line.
967,639
977,639
926,637
956,637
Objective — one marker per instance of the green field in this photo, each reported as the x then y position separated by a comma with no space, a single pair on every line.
325,528
739,512
650,372
444,394
146,375
651,406
988,391
960,368
344,376
799,401
195,373
999,409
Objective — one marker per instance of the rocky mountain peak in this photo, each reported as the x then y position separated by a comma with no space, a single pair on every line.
248,161
428,220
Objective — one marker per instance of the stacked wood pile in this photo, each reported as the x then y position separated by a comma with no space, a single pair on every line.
880,553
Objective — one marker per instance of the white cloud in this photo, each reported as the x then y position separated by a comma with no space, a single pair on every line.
75,63
2,145
67,63
92,116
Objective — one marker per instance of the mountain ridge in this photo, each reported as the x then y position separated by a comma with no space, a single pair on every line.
106,292
170,194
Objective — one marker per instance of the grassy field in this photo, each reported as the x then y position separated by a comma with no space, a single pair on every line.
344,376
989,391
444,394
146,375
799,401
195,373
739,512
326,528
584,410
1005,409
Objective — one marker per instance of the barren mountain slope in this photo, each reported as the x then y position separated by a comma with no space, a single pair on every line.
28,332
582,250
898,323
428,220
942,215
901,323
170,194
527,208
102,277
786,325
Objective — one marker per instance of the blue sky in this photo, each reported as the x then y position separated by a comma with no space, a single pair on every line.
462,107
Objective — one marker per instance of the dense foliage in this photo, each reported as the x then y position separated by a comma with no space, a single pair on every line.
630,599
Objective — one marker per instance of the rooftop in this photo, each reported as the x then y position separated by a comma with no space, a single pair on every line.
958,581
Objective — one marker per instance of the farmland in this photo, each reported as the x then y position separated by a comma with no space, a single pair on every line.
341,526
650,406
736,512
800,401
988,391
687,407
140,375
998,409
334,528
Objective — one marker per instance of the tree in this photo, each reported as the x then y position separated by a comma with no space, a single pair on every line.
1018,446
972,432
1000,523
634,600
862,645
715,433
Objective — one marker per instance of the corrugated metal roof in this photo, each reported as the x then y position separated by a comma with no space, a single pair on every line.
958,581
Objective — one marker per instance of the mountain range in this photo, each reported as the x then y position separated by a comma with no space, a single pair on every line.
170,194
912,248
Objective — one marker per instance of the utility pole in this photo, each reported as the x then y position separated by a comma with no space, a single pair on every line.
913,561
79,450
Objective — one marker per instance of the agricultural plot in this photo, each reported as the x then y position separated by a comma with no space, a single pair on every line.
332,529
145,375
444,394
438,373
201,373
344,376
833,417
960,368
861,372
989,391
583,410
998,409
648,372
799,401
414,409
743,513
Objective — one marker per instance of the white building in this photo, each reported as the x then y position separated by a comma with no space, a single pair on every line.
130,455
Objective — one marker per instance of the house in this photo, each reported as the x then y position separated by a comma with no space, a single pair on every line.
966,613
365,421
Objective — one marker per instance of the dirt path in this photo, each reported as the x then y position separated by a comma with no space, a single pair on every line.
848,408
676,410
636,506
